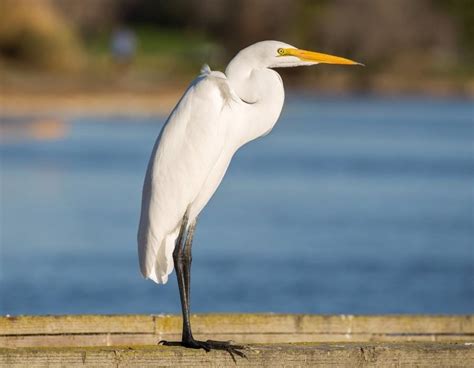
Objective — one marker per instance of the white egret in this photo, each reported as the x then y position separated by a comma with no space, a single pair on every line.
218,114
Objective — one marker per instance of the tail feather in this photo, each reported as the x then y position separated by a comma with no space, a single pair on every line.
162,262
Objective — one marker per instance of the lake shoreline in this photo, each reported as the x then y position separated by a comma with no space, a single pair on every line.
160,101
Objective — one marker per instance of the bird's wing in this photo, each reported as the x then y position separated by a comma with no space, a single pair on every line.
184,153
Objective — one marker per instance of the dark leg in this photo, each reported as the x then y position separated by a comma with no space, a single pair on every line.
187,259
182,258
187,270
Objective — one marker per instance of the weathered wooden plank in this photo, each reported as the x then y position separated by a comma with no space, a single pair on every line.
334,324
283,355
15,325
239,323
37,331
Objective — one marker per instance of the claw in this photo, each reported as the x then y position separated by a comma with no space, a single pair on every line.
209,345
232,355
169,343
240,353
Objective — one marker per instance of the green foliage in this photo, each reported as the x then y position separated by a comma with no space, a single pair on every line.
159,48
407,39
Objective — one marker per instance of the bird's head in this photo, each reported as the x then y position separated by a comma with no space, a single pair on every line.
276,54
249,71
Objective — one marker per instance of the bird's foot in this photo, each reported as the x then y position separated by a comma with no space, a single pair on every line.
209,345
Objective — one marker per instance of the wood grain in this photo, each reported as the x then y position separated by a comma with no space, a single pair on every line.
275,340
420,354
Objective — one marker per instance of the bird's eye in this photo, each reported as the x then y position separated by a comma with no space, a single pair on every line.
281,51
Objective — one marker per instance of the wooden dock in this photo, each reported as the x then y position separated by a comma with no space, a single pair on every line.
274,340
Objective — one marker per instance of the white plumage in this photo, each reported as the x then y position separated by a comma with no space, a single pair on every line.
216,116
188,147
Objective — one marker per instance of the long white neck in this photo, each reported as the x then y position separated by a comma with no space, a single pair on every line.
250,78
261,89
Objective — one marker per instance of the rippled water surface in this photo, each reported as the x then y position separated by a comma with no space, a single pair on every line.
349,206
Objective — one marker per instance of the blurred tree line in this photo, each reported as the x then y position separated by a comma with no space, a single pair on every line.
413,39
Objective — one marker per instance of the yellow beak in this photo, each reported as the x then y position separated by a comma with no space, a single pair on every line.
317,57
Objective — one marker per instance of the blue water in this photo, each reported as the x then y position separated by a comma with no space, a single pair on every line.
356,205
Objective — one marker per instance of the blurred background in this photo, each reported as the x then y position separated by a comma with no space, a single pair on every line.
360,201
